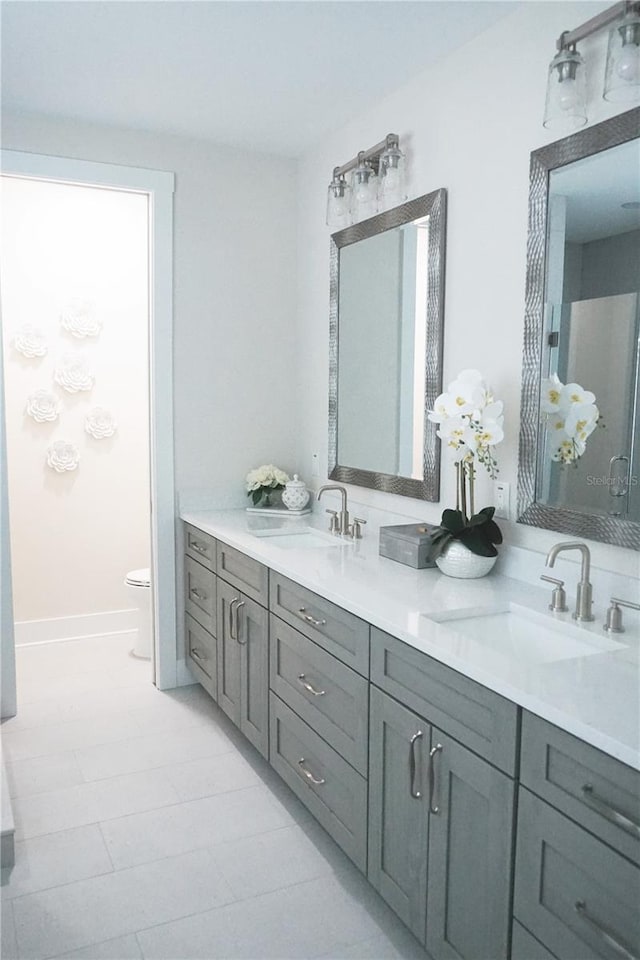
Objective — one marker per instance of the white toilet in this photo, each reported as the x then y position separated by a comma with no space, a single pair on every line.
138,584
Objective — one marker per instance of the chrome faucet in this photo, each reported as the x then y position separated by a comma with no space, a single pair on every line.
583,595
342,524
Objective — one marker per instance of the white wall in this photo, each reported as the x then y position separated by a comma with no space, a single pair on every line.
468,124
75,534
234,295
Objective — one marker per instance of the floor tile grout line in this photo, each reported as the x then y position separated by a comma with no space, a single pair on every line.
135,813
208,847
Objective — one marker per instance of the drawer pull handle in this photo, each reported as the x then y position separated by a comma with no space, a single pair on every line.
198,547
604,933
308,775
434,803
309,619
609,812
196,653
195,593
416,794
302,680
231,621
237,622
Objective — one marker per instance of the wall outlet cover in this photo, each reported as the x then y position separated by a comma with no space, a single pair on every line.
501,498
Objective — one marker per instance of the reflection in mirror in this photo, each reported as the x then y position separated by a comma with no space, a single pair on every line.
585,472
386,344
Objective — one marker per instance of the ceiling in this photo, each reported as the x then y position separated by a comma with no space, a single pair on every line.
272,75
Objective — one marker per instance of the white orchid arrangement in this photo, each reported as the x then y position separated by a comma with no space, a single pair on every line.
470,422
264,480
571,415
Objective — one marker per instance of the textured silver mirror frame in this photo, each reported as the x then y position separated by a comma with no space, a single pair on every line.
433,205
602,136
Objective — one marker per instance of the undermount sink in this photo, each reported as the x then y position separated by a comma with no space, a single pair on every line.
512,630
302,538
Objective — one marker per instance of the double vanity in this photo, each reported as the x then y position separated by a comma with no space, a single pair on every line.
474,754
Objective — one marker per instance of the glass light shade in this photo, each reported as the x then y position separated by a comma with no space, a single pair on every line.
391,178
338,203
566,105
364,194
622,73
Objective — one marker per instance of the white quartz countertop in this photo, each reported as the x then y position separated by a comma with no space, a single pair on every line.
593,693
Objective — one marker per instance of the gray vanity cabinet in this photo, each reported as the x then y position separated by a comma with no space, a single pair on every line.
243,664
399,743
471,808
440,835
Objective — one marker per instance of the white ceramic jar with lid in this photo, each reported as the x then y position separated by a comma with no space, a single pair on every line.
295,495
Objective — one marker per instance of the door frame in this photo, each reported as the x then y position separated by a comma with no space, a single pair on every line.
159,187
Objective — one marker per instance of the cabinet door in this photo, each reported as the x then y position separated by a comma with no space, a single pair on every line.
398,810
470,848
253,640
228,652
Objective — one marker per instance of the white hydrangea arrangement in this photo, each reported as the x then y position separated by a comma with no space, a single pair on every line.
263,481
571,415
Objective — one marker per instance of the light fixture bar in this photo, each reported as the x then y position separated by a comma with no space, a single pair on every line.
372,154
571,37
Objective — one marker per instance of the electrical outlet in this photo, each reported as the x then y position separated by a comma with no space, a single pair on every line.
315,466
501,499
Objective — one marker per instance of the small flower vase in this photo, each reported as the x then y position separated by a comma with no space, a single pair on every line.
458,561
267,499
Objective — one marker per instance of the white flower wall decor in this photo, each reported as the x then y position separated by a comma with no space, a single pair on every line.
30,342
100,423
72,374
63,456
79,319
43,406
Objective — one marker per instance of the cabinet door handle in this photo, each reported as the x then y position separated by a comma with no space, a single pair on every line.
198,547
416,794
231,611
433,791
604,933
237,622
302,680
195,593
609,812
195,653
309,619
308,775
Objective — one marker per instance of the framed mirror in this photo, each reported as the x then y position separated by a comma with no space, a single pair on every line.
385,361
579,466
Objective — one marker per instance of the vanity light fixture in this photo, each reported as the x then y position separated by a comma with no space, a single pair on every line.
566,102
376,184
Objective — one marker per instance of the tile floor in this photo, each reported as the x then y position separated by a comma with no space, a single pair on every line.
147,827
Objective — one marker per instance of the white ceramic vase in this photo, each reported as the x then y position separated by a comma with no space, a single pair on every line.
458,561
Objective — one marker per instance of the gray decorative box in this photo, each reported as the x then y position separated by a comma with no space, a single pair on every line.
408,543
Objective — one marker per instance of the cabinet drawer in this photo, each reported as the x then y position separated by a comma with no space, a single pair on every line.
339,632
599,792
200,546
200,594
333,699
332,790
243,573
526,947
575,894
200,651
480,719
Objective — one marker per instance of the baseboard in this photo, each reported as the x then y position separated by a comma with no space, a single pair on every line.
72,628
